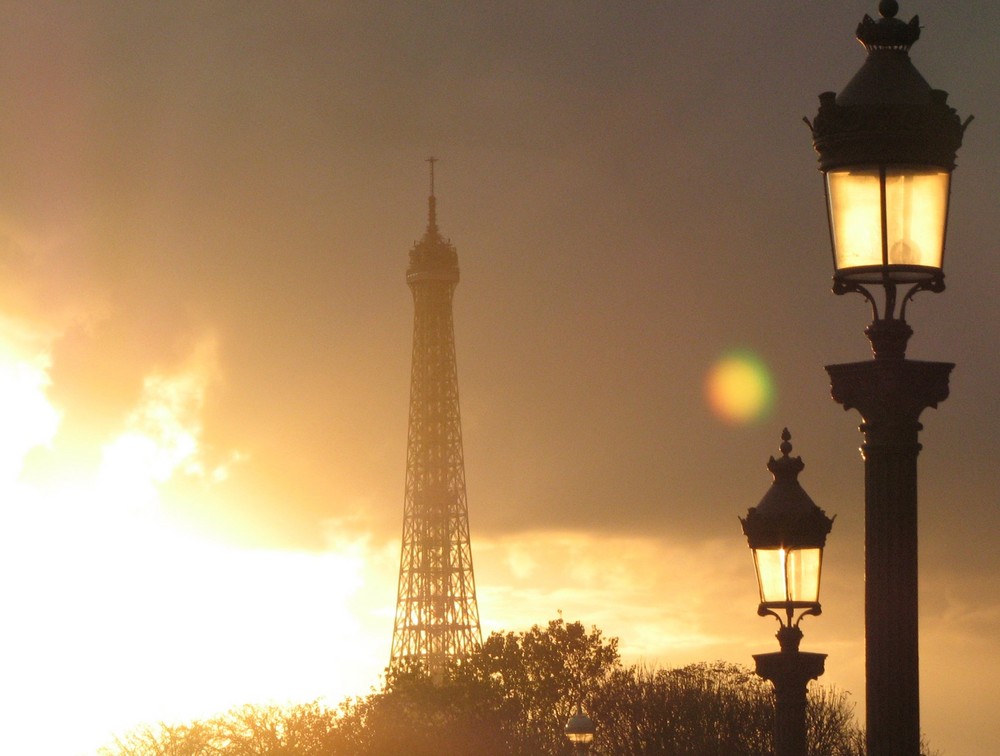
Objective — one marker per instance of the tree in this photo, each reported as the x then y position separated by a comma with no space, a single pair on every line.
164,740
276,731
717,709
541,675
512,699
413,714
704,709
830,726
301,730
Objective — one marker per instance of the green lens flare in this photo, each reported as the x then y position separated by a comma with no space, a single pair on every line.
739,389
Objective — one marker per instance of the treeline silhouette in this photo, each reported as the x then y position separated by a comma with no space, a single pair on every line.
513,698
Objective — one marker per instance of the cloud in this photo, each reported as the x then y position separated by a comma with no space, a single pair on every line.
163,433
666,600
124,614
960,624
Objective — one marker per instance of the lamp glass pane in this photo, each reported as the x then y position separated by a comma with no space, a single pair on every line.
916,211
770,565
855,217
580,737
802,568
916,204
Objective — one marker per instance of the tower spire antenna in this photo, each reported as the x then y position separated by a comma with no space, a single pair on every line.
432,200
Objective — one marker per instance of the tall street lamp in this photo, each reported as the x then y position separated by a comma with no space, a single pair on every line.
580,731
786,532
887,144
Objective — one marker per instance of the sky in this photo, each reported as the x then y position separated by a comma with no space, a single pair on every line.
205,215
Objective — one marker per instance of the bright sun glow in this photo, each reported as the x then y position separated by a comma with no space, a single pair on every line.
113,614
28,420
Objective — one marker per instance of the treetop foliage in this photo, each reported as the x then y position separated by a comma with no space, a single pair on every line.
513,698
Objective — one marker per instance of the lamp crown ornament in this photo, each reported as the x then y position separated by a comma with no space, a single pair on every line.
889,32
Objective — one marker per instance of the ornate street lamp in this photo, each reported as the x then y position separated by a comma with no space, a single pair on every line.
786,532
580,731
887,145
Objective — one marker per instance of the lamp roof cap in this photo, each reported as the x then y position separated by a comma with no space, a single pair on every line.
887,113
786,516
888,77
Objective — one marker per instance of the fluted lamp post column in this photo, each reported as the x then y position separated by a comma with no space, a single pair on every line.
786,532
887,145
580,731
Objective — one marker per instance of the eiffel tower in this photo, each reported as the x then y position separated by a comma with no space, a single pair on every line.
437,618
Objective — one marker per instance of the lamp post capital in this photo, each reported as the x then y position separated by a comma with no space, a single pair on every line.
889,394
790,672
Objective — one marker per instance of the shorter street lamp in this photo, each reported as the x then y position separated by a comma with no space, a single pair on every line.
786,533
580,731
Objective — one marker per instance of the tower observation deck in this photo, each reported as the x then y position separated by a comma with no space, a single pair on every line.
437,617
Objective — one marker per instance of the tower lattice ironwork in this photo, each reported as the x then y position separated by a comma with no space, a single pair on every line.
437,617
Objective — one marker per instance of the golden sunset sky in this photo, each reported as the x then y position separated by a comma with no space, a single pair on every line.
205,215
